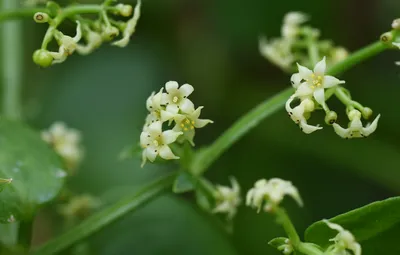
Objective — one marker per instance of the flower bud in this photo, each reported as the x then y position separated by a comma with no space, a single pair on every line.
110,33
330,117
396,24
366,112
387,37
42,58
354,114
41,17
124,10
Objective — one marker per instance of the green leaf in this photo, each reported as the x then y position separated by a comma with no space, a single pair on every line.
375,226
277,242
183,183
34,167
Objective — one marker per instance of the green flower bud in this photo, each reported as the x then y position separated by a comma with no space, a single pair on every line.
41,17
387,37
330,117
42,58
396,24
110,33
124,10
366,112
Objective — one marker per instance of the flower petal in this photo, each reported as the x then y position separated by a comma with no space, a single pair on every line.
144,158
330,81
172,108
151,154
165,115
166,153
319,96
186,90
342,132
186,105
371,128
303,90
171,86
155,128
304,72
295,80
320,67
170,136
144,139
397,45
287,105
199,123
189,135
195,115
308,129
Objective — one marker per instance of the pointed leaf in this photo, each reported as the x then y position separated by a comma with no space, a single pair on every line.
183,183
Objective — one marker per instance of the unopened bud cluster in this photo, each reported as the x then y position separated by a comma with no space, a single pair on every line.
312,89
171,108
90,34
295,43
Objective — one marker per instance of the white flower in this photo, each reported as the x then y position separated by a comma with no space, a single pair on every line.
130,27
157,113
277,51
155,142
356,129
344,240
316,81
176,98
339,54
93,41
228,199
290,28
297,114
187,122
271,193
66,142
67,44
396,24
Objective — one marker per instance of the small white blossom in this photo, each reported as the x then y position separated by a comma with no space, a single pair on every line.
356,129
176,98
271,193
66,142
315,82
396,24
93,41
109,32
187,122
67,44
339,54
277,51
228,199
290,28
344,240
130,27
286,248
297,114
155,142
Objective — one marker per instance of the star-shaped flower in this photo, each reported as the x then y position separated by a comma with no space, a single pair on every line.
315,82
67,44
356,129
297,114
176,98
228,199
344,240
155,142
187,122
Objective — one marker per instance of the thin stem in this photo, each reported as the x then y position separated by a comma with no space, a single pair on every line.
12,51
98,221
25,234
19,13
313,52
207,156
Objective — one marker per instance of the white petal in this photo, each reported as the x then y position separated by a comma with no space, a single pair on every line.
189,135
371,128
199,123
342,132
304,72
186,105
334,226
319,96
330,81
320,67
308,129
144,158
287,105
171,86
144,139
151,153
170,136
165,116
186,90
295,80
155,128
196,113
303,90
173,108
166,153
149,102
397,45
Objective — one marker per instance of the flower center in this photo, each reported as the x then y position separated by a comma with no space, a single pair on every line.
175,99
187,125
316,81
155,143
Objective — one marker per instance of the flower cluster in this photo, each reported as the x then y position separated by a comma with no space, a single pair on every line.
66,142
297,43
269,194
344,241
172,107
228,199
313,89
94,33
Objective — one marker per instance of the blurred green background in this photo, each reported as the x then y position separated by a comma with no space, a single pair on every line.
213,45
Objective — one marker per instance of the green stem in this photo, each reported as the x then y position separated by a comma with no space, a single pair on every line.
18,13
25,234
107,216
12,51
313,52
207,156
